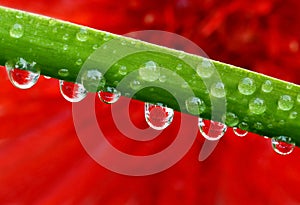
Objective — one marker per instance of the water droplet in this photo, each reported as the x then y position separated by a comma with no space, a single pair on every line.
72,92
181,55
95,46
218,90
239,132
63,72
195,105
289,86
22,74
19,15
109,95
78,62
179,67
149,72
285,103
211,130
247,86
231,119
93,80
65,48
107,37
158,117
267,86
293,115
163,78
243,126
123,70
283,145
205,69
258,126
82,35
16,31
257,106
135,84
66,37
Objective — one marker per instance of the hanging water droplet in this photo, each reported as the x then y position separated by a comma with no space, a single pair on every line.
230,119
82,35
22,74
205,69
157,116
293,115
195,105
93,80
16,31
282,145
257,106
267,86
149,71
109,95
135,84
218,90
247,86
285,103
63,72
72,92
123,70
211,130
239,132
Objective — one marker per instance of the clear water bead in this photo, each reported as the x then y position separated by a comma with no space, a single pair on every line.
123,70
109,95
22,74
93,80
231,119
267,86
247,86
72,92
283,145
285,103
257,106
63,72
16,31
218,90
135,84
211,130
239,132
149,71
158,117
205,69
195,105
82,35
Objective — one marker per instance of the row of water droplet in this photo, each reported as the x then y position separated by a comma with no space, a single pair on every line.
24,75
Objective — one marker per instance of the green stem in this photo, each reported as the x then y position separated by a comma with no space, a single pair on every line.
56,45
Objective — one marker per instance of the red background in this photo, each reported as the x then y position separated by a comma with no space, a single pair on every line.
43,162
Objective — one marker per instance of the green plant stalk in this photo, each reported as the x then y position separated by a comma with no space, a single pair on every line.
53,45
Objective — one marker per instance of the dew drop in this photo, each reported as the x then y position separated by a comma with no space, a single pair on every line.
135,84
289,86
106,37
258,126
285,103
63,72
16,31
218,90
19,15
240,133
179,67
282,145
22,74
243,126
181,55
195,105
65,47
93,80
211,130
123,70
82,35
231,119
72,92
247,86
78,62
163,78
149,71
205,69
109,95
95,46
293,115
267,86
257,106
157,116
66,37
